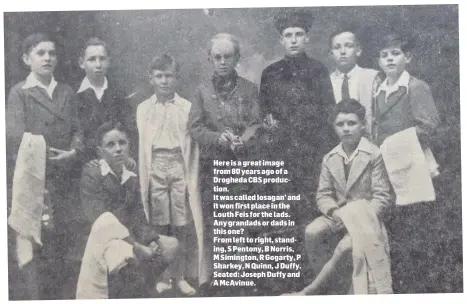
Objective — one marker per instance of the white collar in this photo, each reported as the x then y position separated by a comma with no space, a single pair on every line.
356,69
32,81
364,146
175,99
105,169
403,81
86,84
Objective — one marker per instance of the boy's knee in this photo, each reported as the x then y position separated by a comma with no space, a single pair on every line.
169,246
315,230
344,246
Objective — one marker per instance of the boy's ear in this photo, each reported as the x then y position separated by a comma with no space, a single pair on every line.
26,59
408,57
99,151
307,37
81,62
358,50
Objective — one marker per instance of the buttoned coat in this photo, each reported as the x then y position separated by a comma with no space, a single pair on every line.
211,114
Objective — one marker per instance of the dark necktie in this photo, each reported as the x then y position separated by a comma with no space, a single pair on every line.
345,88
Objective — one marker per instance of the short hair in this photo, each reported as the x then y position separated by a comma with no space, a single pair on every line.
94,41
293,17
348,29
350,106
34,39
164,63
224,36
106,128
395,39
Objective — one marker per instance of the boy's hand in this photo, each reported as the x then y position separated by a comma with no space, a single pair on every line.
130,164
336,217
93,163
226,138
143,252
237,145
61,157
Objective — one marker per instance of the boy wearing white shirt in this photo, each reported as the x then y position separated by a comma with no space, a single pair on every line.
100,101
402,102
349,80
42,106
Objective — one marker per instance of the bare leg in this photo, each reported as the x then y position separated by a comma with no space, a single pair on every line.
343,248
181,264
318,236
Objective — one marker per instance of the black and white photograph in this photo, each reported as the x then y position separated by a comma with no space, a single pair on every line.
232,152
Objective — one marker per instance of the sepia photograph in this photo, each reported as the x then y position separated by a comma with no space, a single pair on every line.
233,152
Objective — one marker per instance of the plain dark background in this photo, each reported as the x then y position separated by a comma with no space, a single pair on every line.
136,36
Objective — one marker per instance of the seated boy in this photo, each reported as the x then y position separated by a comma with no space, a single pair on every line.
351,173
111,200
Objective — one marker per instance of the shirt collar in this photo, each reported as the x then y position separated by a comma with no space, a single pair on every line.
86,84
105,170
403,81
364,146
353,72
32,81
173,100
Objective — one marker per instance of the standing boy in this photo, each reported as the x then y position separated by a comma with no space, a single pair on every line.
402,102
41,110
99,101
168,165
295,97
349,80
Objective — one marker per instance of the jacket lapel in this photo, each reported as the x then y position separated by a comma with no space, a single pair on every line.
111,183
392,99
336,166
359,163
40,96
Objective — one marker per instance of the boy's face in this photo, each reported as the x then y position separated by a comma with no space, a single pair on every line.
42,59
114,148
164,82
223,57
95,62
345,51
294,39
349,128
393,61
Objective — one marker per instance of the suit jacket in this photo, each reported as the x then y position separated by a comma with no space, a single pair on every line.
404,108
100,194
367,180
211,114
93,113
32,110
149,125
